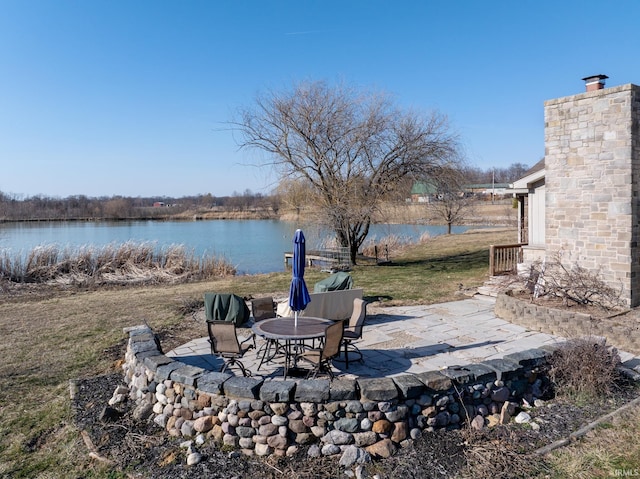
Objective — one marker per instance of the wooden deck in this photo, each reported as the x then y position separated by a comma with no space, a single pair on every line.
332,257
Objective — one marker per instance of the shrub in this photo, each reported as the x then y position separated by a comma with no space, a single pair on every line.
572,283
584,367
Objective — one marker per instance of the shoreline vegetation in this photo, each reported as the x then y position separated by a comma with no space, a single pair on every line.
113,264
132,263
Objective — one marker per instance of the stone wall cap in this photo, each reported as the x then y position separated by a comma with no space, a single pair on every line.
277,391
142,335
551,348
312,390
410,386
435,380
187,374
143,344
378,389
163,372
141,356
459,374
481,373
154,362
528,357
504,368
633,363
132,330
343,389
211,382
242,387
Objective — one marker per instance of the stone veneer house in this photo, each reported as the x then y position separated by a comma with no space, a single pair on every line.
584,197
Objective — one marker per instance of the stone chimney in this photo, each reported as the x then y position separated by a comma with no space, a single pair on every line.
595,82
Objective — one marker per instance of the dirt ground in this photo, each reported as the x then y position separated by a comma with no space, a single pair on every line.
143,450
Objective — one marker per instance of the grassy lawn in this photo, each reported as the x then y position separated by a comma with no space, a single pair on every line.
46,341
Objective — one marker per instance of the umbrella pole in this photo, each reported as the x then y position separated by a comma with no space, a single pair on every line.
295,319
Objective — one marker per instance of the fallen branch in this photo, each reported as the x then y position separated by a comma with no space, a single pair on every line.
98,457
88,442
93,451
584,430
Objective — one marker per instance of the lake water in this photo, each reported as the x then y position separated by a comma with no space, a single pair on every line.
252,246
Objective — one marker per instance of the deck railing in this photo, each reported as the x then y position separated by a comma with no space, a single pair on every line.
337,257
504,259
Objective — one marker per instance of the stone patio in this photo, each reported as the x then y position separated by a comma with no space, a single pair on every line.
407,339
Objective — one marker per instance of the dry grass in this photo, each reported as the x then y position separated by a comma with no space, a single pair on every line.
501,212
390,245
125,263
436,270
611,450
498,458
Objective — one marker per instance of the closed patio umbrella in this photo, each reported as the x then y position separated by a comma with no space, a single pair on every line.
298,293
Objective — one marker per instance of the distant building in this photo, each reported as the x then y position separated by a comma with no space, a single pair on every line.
158,204
488,189
423,192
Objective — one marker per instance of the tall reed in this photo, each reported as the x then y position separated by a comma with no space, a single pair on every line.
114,263
387,244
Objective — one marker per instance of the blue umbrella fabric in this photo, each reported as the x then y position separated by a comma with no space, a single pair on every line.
298,293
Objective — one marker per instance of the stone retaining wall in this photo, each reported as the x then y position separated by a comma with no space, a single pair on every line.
623,335
365,417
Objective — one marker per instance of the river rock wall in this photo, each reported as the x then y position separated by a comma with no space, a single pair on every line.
359,418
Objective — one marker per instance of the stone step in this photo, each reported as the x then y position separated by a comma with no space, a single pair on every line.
495,285
488,291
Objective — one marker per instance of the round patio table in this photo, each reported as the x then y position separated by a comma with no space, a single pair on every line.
293,335
287,329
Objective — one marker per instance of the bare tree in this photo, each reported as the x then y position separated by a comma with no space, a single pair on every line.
451,205
353,148
295,194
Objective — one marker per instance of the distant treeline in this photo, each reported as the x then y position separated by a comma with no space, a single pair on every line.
499,175
32,208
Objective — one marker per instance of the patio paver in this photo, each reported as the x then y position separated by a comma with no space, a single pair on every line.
407,339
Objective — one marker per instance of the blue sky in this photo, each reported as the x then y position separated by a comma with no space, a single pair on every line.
130,97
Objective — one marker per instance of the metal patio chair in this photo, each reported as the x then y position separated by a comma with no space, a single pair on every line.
320,358
224,342
353,330
265,308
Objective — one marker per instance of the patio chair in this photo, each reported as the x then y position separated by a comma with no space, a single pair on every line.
353,331
225,344
320,359
265,308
